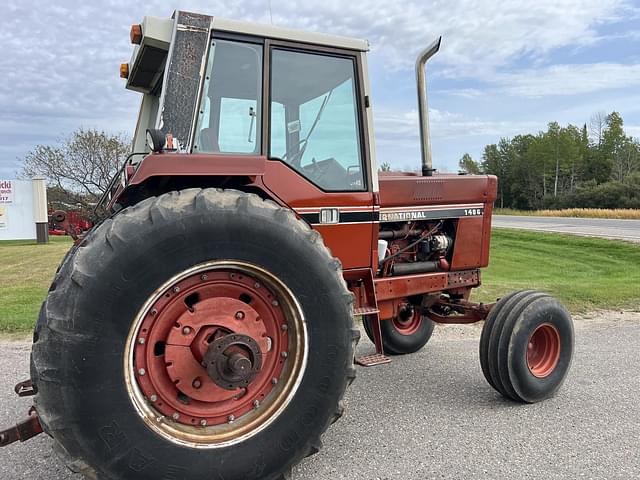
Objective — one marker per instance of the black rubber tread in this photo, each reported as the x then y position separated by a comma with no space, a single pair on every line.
504,345
73,319
512,365
395,343
367,329
494,335
486,333
501,347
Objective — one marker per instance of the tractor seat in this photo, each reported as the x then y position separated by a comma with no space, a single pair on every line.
208,141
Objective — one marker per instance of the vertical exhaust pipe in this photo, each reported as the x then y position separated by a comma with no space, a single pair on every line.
423,109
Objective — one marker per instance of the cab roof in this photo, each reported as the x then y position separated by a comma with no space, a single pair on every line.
219,24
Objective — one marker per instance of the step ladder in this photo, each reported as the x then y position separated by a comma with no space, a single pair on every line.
371,312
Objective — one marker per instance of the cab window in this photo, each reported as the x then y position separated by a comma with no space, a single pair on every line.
229,115
314,122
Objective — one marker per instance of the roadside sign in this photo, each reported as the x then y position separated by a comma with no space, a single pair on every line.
3,217
6,191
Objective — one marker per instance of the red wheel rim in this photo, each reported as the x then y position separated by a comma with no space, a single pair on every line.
543,350
410,325
216,353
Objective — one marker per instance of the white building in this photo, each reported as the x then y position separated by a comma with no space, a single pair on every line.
23,210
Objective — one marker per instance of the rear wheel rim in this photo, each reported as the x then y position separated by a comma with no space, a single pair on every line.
216,354
543,350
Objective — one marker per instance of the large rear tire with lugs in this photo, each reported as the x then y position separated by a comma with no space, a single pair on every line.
526,346
199,334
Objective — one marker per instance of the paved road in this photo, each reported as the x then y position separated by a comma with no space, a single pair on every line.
431,415
591,227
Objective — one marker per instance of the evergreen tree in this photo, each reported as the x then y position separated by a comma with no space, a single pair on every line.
469,165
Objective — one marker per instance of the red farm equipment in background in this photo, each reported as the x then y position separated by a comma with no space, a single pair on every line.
68,223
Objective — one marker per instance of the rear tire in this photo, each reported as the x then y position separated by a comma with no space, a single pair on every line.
526,346
79,359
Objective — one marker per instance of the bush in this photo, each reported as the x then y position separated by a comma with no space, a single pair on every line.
611,194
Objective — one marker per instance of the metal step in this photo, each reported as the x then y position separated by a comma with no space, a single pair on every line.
372,360
365,310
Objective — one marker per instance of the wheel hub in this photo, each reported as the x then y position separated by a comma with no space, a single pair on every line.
233,361
408,320
543,350
211,348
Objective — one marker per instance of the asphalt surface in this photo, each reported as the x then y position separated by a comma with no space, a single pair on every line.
432,415
591,227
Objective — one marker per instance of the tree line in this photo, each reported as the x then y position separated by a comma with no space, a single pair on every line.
593,166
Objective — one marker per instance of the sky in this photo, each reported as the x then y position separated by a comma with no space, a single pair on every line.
504,68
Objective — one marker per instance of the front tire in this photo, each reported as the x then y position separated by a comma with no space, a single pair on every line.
403,335
126,316
526,346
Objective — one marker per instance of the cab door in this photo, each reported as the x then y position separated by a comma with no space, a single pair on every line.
317,145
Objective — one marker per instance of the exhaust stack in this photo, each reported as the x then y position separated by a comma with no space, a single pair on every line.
423,109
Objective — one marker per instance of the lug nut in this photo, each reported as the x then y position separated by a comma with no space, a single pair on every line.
204,276
141,341
186,330
154,312
197,383
284,354
284,327
141,371
203,423
256,404
239,315
274,381
153,398
256,285
275,303
176,289
176,416
231,418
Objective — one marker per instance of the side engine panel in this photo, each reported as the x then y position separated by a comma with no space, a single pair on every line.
407,248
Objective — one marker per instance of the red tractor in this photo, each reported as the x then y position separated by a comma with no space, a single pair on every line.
207,328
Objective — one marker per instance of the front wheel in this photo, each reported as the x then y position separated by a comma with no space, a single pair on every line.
184,339
526,346
406,333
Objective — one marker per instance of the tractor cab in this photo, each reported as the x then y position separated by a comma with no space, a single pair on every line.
223,87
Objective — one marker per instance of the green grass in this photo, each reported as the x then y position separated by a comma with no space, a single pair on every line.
619,213
26,270
585,273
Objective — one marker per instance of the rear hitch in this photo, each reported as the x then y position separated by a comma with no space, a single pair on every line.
23,431
25,389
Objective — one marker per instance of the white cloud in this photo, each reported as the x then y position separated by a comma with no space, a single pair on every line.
478,35
577,79
402,126
61,58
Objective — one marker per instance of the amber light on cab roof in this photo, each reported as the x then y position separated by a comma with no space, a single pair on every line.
124,70
136,34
